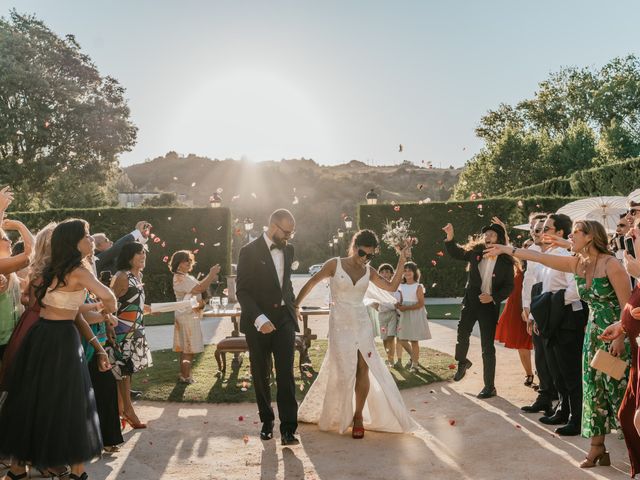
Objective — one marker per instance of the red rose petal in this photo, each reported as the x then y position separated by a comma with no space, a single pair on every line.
396,208
452,366
452,422
240,418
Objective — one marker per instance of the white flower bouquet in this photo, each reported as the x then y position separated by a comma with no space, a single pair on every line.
397,234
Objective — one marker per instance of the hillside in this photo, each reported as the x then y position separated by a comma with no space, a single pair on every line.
319,196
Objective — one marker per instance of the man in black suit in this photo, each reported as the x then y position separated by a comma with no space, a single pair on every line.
106,259
489,282
269,321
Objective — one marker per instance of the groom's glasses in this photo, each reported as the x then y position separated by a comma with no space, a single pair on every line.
362,253
287,233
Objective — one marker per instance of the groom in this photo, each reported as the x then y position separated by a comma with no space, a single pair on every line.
269,321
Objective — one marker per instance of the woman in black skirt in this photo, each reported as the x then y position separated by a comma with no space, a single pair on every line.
49,417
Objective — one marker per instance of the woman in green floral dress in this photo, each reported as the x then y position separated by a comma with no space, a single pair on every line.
604,285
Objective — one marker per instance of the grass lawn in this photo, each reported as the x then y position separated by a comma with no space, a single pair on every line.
437,312
160,381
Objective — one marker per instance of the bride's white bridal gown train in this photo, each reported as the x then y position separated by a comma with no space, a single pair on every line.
330,401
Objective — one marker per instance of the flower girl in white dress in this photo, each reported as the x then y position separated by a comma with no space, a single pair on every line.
353,387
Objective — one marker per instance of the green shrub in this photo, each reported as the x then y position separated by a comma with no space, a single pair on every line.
447,277
618,178
554,187
179,228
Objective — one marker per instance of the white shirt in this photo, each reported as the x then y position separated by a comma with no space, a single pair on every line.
277,256
138,237
486,267
554,280
530,278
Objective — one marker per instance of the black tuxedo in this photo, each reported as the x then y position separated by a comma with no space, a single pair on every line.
259,293
486,314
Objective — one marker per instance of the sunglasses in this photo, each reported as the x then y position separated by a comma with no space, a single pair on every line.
362,253
622,225
548,229
537,230
633,211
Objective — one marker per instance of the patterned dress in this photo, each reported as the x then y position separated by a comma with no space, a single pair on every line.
134,354
601,394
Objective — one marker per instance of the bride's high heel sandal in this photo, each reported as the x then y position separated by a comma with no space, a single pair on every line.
16,476
603,459
357,432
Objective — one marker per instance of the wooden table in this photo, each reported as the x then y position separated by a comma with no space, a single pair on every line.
234,315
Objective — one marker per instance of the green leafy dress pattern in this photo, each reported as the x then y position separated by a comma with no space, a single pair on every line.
601,394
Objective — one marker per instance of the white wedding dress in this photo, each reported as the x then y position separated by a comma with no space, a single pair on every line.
330,401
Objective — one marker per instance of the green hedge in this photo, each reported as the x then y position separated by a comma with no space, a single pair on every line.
618,178
554,187
427,221
177,227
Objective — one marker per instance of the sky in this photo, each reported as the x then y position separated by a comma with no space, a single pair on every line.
331,80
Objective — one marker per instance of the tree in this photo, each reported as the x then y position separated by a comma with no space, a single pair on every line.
62,122
578,118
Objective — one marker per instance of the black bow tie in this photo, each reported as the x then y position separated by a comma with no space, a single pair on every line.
274,247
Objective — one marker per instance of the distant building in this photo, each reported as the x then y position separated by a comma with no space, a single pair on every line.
135,199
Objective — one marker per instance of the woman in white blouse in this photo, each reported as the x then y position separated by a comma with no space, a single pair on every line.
187,334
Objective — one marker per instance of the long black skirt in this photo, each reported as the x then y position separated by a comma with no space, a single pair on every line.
49,416
106,391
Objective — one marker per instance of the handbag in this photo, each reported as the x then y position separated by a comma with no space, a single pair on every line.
606,363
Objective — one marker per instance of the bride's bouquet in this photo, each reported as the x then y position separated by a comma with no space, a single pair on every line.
397,234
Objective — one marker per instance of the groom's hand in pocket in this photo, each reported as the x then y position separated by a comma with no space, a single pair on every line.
267,327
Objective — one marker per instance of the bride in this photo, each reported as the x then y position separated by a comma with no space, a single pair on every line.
354,388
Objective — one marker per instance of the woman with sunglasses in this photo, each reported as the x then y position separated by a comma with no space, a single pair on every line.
352,363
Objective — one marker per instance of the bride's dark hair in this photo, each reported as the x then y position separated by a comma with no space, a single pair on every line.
65,256
364,238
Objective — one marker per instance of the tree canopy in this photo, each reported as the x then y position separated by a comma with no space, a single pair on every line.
578,118
63,123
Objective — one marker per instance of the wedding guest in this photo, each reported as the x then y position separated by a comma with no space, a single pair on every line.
604,285
622,228
135,354
629,325
562,330
41,259
187,333
633,204
489,282
61,428
10,293
412,324
388,318
107,259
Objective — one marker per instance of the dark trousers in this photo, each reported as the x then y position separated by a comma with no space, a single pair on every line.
564,357
281,345
105,390
547,390
486,314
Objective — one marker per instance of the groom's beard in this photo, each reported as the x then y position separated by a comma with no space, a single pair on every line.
280,242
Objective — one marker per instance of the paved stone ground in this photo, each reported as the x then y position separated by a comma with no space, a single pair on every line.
489,439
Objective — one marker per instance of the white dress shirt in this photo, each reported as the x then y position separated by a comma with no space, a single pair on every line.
138,237
486,267
555,280
277,255
530,278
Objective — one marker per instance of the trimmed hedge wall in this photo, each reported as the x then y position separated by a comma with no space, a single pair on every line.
179,228
619,178
447,277
554,187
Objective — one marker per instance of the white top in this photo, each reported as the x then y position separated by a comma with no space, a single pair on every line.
409,292
530,278
486,267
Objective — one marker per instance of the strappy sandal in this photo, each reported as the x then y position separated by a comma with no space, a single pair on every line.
528,381
83,476
16,476
603,459
49,473
357,432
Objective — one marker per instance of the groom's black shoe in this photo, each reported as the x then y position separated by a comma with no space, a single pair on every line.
557,418
267,431
289,438
462,369
569,430
539,406
487,392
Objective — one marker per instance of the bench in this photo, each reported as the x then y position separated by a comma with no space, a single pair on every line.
238,345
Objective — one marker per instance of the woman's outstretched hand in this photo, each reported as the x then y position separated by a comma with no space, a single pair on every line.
495,250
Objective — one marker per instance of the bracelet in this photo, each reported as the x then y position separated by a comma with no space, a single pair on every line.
92,339
513,251
102,353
